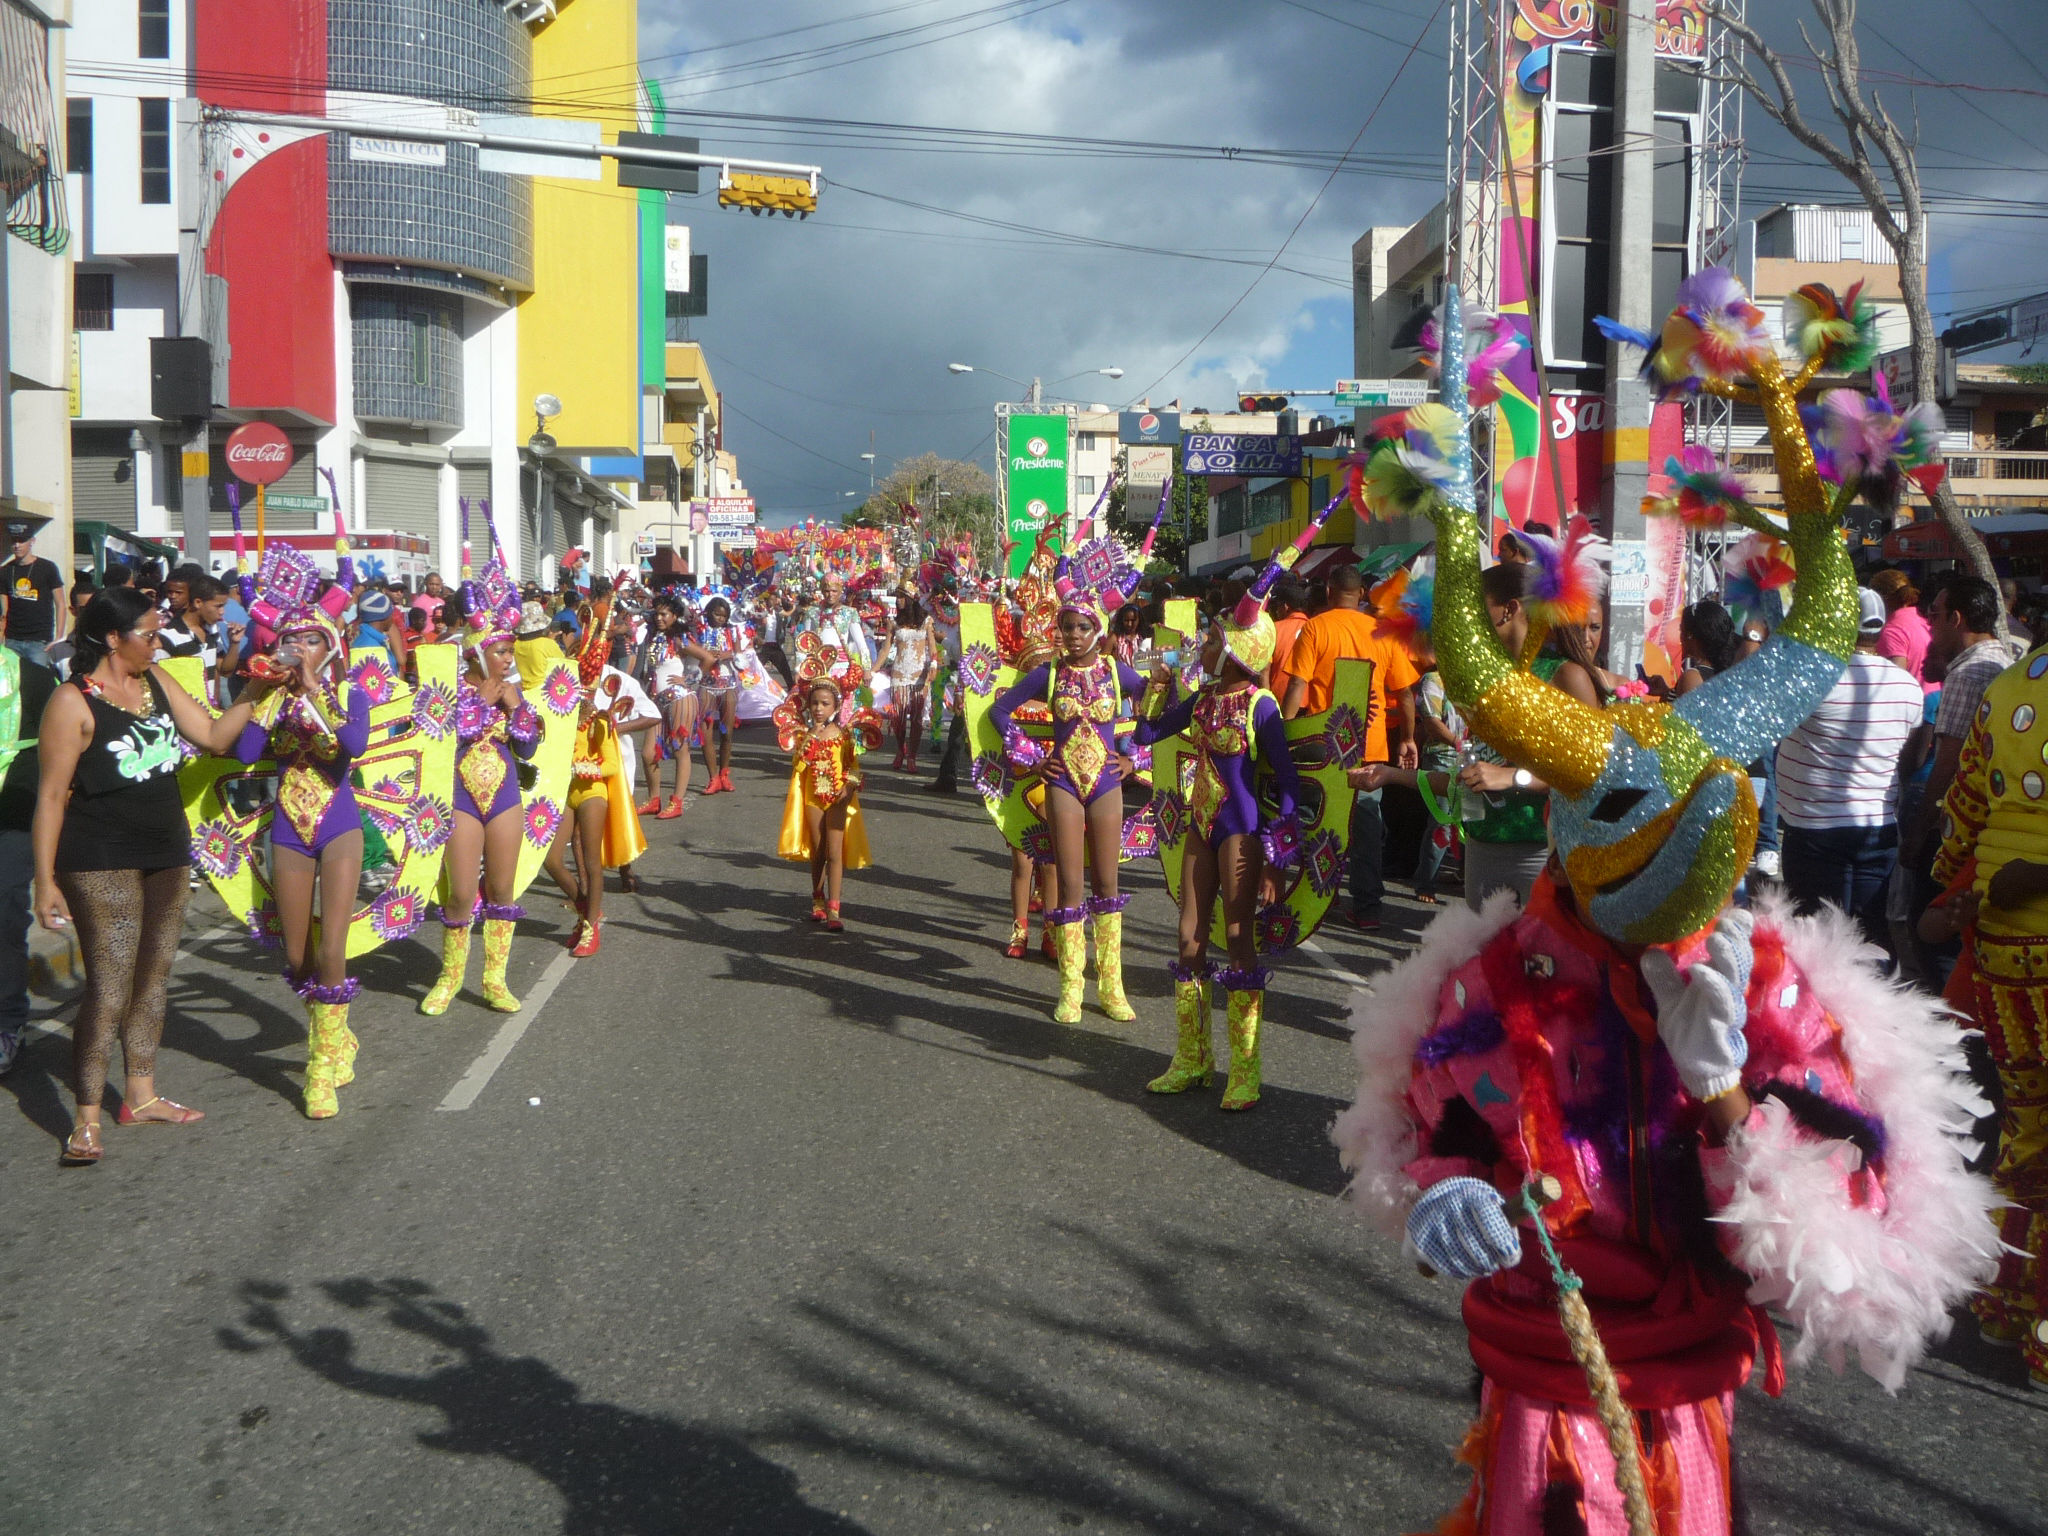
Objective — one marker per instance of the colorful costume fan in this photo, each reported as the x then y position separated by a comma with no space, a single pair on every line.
490,602
599,766
817,661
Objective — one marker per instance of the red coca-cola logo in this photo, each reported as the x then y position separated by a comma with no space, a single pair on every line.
258,453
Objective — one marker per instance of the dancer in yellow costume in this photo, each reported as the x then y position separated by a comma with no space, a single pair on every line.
604,824
1996,816
824,725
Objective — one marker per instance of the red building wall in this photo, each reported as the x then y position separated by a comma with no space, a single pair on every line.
270,239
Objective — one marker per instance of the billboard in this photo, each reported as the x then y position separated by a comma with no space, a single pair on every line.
1037,474
1241,453
1148,426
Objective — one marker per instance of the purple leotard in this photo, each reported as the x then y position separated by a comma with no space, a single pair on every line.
1222,726
314,802
1085,702
486,741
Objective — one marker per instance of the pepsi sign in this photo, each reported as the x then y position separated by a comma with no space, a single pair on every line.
1148,426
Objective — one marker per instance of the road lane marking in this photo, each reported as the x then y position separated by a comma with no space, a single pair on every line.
480,1072
1329,963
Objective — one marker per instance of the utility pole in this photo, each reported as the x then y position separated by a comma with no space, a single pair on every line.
195,464
1036,398
1630,400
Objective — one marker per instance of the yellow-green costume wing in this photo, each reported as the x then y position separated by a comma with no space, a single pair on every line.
11,743
541,800
1323,747
404,784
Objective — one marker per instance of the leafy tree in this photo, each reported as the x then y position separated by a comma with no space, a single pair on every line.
949,496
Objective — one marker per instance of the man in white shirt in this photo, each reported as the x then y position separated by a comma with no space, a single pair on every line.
1837,782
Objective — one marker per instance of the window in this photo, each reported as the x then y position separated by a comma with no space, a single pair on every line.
1084,485
92,301
153,29
422,347
156,149
78,135
1084,442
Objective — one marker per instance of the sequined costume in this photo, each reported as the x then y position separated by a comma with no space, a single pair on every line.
822,773
1086,702
313,739
1995,813
1605,1038
598,772
1230,729
490,743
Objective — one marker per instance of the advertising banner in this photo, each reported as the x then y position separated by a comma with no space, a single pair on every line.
1036,477
1238,453
1148,426
725,517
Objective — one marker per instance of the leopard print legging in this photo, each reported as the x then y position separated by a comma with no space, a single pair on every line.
128,922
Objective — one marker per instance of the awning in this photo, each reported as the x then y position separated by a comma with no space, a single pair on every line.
95,541
1377,564
2003,533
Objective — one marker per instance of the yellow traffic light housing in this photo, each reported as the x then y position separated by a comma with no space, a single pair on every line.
794,197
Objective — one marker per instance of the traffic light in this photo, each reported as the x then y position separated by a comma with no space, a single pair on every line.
792,196
1250,403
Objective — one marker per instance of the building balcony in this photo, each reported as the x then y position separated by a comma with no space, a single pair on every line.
1990,479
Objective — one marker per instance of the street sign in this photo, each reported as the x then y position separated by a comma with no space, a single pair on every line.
282,502
1240,453
578,158
1389,392
658,178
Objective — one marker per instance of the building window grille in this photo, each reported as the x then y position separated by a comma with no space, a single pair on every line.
156,149
92,301
153,29
78,135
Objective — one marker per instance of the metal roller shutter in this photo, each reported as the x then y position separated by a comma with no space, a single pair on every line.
402,497
102,476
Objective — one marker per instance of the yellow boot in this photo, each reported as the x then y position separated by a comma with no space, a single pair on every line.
1247,1012
1070,947
330,1046
1108,912
454,962
1194,1063
498,923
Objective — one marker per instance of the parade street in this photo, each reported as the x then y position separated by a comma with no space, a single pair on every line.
745,1227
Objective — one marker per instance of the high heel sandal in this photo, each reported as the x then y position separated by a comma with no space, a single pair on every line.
179,1114
82,1147
1020,942
588,940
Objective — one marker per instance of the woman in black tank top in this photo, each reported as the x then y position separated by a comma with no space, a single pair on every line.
111,847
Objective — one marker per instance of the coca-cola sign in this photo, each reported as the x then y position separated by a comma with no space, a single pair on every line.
258,453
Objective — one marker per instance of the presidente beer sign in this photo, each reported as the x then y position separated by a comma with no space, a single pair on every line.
1036,475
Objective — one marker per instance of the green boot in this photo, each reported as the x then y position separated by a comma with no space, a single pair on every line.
1194,1063
454,963
1247,990
498,923
1070,948
1108,912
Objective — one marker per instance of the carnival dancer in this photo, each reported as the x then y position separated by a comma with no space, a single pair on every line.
1630,1114
316,836
1083,772
823,725
496,729
606,831
669,665
909,665
837,622
720,640
1232,723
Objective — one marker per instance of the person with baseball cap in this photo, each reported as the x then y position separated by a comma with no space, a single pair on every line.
31,588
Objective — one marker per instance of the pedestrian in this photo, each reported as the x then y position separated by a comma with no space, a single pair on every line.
2016,610
909,667
1083,772
633,714
1838,783
1232,838
821,820
111,848
1963,645
1905,635
1342,631
1289,608
29,586
1405,607
840,624
17,855
1708,644
496,729
377,625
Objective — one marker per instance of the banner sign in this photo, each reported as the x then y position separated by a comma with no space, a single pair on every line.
724,516
1036,477
1148,466
1398,393
1148,426
675,258
1239,453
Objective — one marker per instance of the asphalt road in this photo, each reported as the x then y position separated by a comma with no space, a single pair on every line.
755,1229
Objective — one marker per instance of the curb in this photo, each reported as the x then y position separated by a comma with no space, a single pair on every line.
56,968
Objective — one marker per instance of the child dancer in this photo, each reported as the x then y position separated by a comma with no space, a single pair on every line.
823,726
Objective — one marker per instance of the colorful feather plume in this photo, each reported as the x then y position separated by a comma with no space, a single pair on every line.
1484,368
1757,565
1430,443
1840,331
1570,576
1405,605
1712,332
1704,490
1390,489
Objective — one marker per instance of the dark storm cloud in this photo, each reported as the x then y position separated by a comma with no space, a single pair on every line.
824,331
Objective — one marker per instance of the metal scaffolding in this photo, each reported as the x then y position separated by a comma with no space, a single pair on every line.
1722,153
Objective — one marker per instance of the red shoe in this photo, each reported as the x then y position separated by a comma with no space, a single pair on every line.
587,941
1036,906
832,923
714,787
1020,942
725,781
652,807
817,909
1045,946
174,1113
675,809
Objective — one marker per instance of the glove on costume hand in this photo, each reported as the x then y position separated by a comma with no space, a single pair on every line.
1700,1019
1461,1229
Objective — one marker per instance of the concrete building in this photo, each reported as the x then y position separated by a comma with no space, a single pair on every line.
35,277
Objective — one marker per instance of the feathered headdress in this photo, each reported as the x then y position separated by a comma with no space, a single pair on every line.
1248,632
490,602
819,664
1571,574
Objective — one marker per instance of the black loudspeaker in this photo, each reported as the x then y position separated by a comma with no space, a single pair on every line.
180,378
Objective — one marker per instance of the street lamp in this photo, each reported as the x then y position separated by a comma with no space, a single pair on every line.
1035,388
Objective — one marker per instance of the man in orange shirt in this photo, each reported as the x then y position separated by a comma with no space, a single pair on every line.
1286,605
1338,632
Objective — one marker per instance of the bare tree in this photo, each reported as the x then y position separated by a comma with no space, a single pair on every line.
1870,151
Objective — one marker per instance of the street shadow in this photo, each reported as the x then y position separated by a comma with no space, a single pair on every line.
1157,1376
619,1472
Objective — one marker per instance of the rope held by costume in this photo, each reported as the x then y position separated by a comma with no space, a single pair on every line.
1577,1320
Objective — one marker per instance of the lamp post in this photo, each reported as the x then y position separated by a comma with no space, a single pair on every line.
1034,388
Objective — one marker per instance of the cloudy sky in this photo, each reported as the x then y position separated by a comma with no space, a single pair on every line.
1040,187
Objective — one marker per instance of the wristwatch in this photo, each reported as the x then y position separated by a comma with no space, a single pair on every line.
1524,778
